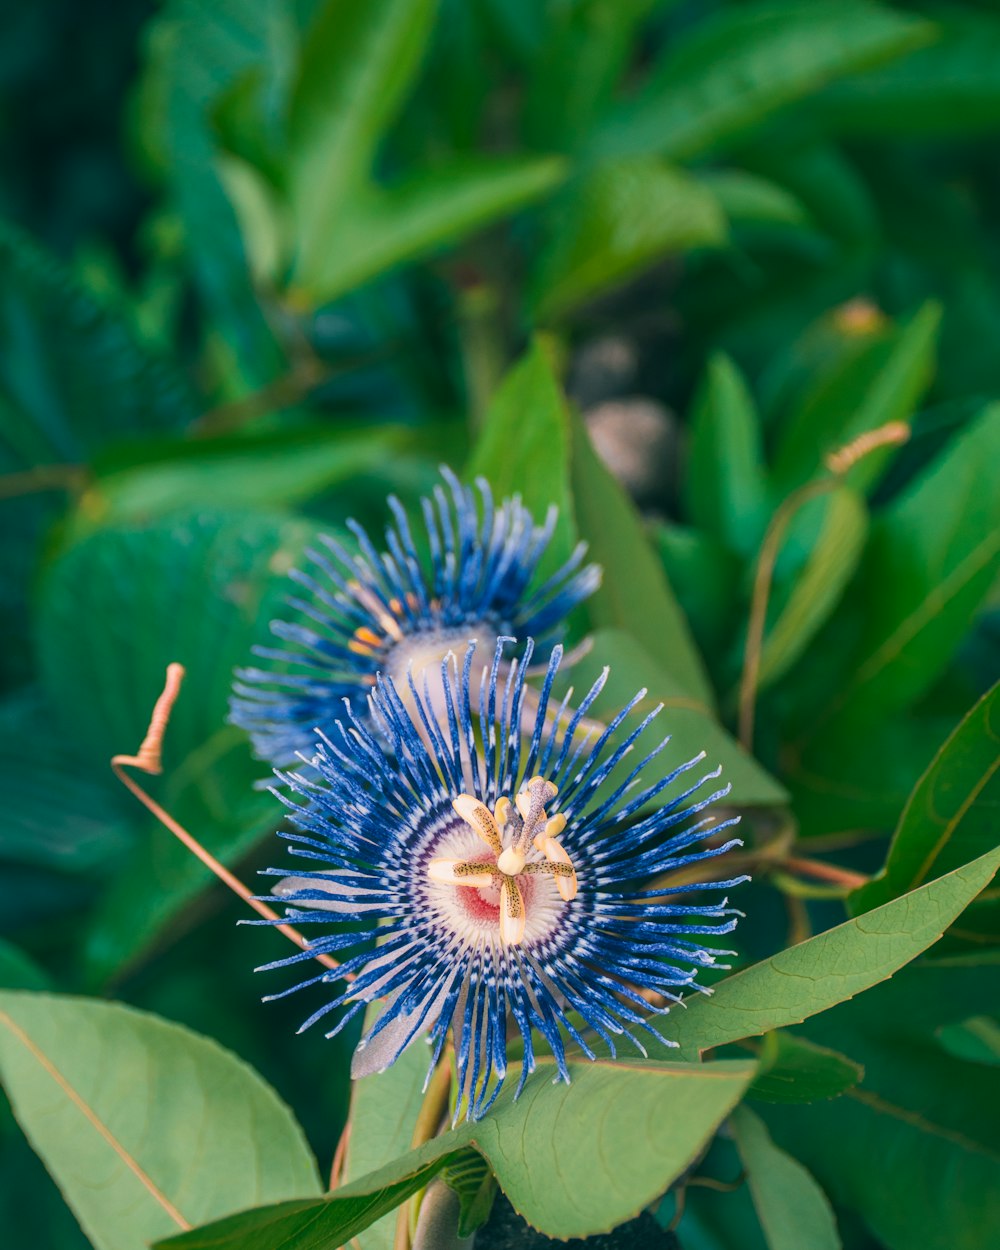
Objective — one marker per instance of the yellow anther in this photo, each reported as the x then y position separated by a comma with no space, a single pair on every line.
553,828
501,813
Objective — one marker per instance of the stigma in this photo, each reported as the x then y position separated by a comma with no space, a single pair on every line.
523,841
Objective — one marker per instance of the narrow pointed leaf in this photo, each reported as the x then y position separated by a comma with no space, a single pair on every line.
726,483
634,595
952,815
615,220
523,448
793,1211
749,62
828,969
358,62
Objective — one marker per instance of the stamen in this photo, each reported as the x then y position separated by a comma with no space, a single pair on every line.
462,872
479,817
555,854
553,828
512,915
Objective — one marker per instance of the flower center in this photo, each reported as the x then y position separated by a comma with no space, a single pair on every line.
522,840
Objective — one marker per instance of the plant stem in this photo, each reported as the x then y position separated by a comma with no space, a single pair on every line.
432,1112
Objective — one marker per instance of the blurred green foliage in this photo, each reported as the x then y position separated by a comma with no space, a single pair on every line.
263,263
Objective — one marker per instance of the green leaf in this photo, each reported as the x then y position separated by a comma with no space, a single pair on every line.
524,446
357,65
72,377
828,969
707,580
147,1128
115,609
60,812
879,382
268,471
471,1178
950,87
796,1070
931,561
19,971
793,1211
574,74
617,1138
747,198
931,1118
382,228
745,64
976,1039
691,726
197,52
818,586
634,595
726,482
617,219
951,816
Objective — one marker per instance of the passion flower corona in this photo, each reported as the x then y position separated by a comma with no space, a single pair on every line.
482,870
364,612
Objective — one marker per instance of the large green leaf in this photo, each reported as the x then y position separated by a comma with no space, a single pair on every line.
198,588
358,61
953,814
745,64
726,485
616,1138
691,726
382,228
524,446
615,220
634,595
931,1120
825,970
793,1211
880,382
931,560
147,1128
951,87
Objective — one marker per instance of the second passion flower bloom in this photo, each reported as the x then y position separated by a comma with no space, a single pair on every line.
484,868
472,574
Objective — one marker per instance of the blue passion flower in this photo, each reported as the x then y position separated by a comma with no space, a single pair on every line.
364,611
488,868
